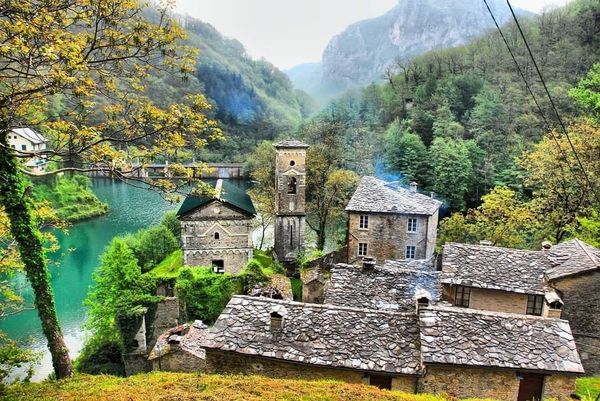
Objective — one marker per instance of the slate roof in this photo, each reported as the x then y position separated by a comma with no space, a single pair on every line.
572,257
383,288
29,134
185,337
290,143
375,195
226,193
493,267
322,335
460,336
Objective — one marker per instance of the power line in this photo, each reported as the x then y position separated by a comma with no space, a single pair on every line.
562,125
546,123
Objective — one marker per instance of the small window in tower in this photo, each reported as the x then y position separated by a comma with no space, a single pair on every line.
217,235
292,163
291,235
292,186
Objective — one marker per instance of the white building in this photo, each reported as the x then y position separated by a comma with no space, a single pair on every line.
27,140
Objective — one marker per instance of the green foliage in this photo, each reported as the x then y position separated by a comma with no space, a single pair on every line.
101,356
205,293
588,388
405,153
169,267
587,92
451,171
588,229
171,221
150,246
297,289
71,197
12,357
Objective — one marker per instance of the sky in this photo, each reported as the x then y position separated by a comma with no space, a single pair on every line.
292,32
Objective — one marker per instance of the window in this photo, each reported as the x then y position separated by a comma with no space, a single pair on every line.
462,296
363,223
217,235
291,235
534,305
292,186
292,163
23,147
410,251
276,321
218,266
412,225
362,249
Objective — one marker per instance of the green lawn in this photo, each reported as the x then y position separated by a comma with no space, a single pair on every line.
169,267
588,388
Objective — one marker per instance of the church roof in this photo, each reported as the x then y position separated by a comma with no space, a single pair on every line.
494,267
290,143
383,288
460,336
572,257
375,195
226,192
323,335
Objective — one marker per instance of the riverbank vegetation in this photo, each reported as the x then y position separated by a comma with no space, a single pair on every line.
159,386
71,197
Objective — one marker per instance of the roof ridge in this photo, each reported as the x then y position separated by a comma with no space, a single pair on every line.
459,310
590,256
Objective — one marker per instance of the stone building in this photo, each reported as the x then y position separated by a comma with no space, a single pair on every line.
386,221
507,356
290,201
392,286
216,231
557,281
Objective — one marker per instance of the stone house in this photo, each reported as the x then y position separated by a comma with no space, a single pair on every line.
290,200
508,356
177,349
28,140
387,221
393,286
557,281
217,231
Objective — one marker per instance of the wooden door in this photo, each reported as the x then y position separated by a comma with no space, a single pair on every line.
531,387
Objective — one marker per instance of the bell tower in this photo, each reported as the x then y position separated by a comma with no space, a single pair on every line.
290,201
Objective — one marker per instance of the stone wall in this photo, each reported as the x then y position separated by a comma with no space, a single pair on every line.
387,236
226,362
233,259
166,317
581,297
290,203
136,363
499,384
498,301
289,236
179,361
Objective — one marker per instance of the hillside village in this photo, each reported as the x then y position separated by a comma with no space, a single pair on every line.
386,310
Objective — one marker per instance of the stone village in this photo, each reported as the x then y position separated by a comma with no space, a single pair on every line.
472,321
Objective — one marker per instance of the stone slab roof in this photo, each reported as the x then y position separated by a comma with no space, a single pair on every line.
572,257
460,336
493,267
225,192
377,196
383,288
185,337
290,143
323,335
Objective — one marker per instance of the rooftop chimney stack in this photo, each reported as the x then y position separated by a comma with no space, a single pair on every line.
368,264
413,186
432,194
546,245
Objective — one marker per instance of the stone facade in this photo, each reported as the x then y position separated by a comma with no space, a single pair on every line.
387,236
313,285
217,233
581,296
233,363
498,384
290,201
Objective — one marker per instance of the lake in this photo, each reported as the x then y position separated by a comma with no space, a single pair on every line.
130,210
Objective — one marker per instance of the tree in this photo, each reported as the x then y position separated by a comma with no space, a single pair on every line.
587,93
451,171
405,153
502,219
97,57
261,167
328,190
561,194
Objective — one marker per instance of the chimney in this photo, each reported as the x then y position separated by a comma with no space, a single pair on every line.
368,264
546,245
485,242
413,186
432,195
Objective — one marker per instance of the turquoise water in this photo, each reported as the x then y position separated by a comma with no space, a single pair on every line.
130,210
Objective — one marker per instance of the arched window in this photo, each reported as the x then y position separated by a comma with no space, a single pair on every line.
217,235
292,186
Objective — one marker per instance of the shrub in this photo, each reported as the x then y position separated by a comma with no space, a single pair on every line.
152,245
171,221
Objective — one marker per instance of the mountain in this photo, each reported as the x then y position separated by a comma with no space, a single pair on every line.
361,54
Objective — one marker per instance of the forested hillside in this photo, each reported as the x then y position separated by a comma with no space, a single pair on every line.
461,122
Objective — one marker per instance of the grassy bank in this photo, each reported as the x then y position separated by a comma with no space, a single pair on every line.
71,197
